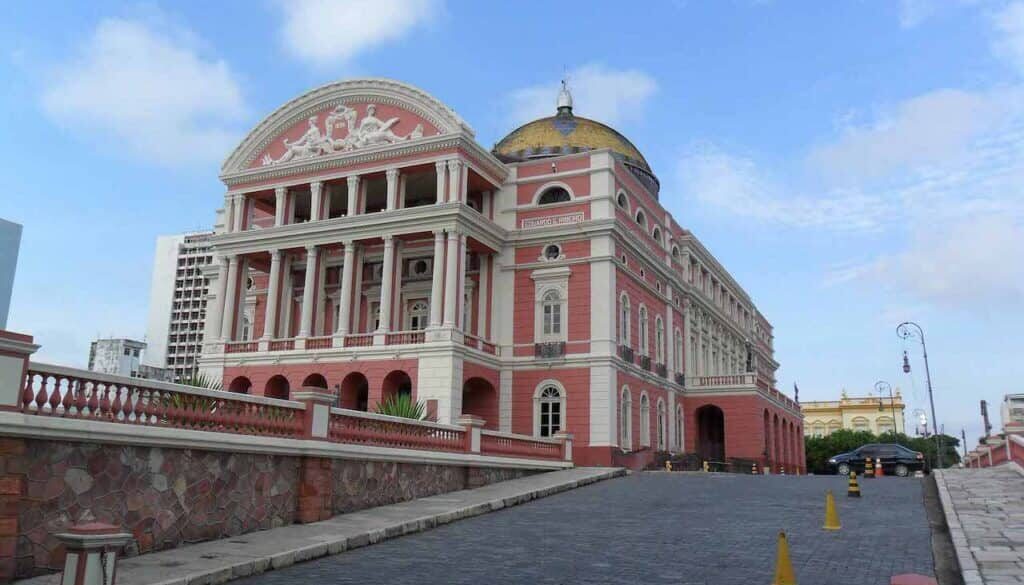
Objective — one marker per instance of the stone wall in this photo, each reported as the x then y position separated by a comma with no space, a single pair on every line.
168,497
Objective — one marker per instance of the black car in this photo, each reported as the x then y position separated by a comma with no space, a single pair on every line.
896,459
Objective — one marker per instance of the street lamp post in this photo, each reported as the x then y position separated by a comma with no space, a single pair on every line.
879,385
906,330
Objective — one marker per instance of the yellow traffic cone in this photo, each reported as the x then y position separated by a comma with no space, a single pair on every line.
783,568
831,516
854,490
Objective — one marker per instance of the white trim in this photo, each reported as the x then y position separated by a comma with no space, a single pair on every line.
645,419
547,186
562,394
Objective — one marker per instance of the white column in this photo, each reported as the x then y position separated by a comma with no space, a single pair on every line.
273,296
439,167
483,295
353,194
451,273
306,324
345,300
280,205
316,200
215,310
437,280
238,205
454,181
387,278
227,332
461,298
392,180
670,336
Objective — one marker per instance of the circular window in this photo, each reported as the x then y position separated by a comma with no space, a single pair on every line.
419,267
552,252
622,202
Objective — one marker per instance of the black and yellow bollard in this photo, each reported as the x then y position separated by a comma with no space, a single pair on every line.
831,516
869,468
854,490
753,469
784,574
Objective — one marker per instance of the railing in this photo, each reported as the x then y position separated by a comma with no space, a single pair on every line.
725,380
681,379
626,353
80,394
645,362
550,349
495,443
351,426
661,370
319,342
404,337
241,346
281,344
359,340
261,223
479,343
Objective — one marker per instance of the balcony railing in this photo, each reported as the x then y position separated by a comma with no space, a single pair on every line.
241,346
661,370
281,345
479,343
405,337
645,362
681,379
359,340
549,349
319,342
626,353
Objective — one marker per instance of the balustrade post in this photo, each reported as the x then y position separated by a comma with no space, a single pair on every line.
472,424
566,439
91,551
15,350
318,403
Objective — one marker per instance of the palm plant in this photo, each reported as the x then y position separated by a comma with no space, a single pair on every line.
402,405
202,380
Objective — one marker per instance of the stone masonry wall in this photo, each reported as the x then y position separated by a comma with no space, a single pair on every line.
169,497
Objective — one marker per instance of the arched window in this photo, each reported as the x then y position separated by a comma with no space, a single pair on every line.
626,420
418,312
554,195
659,340
861,424
833,426
641,218
644,342
662,435
624,320
622,201
550,408
656,234
679,428
818,429
885,425
645,421
675,252
552,320
246,328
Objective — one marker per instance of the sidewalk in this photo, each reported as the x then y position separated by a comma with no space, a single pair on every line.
985,512
222,560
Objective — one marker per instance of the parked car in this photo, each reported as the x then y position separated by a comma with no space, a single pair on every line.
896,459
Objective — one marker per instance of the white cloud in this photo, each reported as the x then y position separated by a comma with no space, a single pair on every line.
331,31
736,186
607,95
1009,42
973,263
147,94
914,12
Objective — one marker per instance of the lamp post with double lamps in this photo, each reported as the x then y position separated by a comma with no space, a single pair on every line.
882,385
906,330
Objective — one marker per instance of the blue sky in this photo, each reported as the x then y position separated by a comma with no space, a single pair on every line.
853,164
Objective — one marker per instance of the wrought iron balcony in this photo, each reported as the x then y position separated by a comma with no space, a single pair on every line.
549,349
645,362
681,379
626,353
661,370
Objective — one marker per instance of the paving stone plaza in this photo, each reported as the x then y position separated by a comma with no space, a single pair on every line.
657,528
985,513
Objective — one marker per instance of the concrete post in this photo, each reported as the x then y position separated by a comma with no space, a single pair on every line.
15,350
566,439
472,424
92,549
316,484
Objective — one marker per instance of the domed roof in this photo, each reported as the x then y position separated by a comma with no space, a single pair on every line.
565,133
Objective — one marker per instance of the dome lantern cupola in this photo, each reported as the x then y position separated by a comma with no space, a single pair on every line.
564,100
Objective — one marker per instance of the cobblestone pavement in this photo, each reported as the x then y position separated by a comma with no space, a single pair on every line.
653,528
986,522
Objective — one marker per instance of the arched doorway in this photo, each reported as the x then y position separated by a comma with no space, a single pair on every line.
315,381
396,383
277,387
479,398
711,433
355,392
241,385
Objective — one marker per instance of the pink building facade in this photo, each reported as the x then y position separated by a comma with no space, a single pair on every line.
372,247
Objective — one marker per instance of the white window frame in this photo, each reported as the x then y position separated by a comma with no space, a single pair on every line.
662,426
539,401
625,319
411,313
645,420
626,419
546,187
659,340
551,313
677,350
642,330
679,427
546,280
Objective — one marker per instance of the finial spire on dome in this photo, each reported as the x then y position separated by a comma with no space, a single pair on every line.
564,99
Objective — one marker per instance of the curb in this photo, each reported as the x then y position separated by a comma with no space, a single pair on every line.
327,545
968,568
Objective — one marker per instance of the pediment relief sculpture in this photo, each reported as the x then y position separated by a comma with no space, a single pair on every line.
342,133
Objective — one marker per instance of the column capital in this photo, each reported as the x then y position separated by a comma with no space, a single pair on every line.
316,185
275,254
348,244
454,164
311,249
438,233
439,165
392,173
389,239
352,179
280,191
453,234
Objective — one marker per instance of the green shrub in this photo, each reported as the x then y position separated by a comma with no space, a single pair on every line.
402,405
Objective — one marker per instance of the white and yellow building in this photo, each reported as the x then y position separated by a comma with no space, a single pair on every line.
857,413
